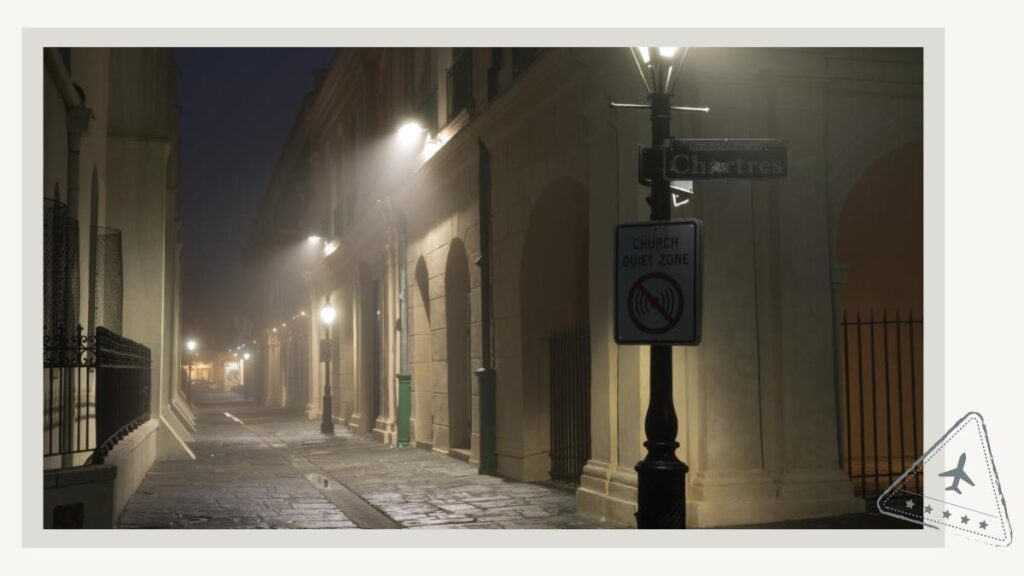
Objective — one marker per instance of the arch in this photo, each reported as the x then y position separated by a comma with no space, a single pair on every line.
457,328
880,233
854,161
880,242
554,294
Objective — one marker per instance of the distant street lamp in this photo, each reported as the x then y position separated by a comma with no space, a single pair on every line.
327,315
191,345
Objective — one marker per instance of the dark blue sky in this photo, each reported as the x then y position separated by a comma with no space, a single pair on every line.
237,107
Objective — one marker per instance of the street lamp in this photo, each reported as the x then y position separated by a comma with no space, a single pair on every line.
409,133
327,315
661,476
191,345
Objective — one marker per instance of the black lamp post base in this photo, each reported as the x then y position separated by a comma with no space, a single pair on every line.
661,494
327,421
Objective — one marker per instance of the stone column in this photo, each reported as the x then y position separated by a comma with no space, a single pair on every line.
355,421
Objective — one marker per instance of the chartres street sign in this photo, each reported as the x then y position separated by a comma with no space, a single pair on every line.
657,282
747,159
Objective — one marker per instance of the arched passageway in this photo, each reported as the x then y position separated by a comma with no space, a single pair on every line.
880,243
457,326
555,330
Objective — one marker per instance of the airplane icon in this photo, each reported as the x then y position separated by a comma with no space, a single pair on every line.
958,474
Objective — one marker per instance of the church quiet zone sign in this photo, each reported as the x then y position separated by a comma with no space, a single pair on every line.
657,282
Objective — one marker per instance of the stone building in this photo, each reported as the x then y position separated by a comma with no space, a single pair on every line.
112,269
487,240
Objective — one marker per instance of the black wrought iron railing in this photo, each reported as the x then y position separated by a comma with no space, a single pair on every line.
122,389
97,390
882,394
69,381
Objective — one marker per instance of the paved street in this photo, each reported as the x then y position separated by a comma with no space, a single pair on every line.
258,468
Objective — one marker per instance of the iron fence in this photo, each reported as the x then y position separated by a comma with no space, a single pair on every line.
570,403
69,411
97,390
122,389
880,365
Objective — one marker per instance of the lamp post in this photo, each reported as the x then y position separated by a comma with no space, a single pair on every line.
245,388
327,314
191,346
661,476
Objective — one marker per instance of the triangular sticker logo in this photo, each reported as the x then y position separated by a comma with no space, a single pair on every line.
954,486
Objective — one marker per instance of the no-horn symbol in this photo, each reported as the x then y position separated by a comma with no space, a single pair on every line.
655,303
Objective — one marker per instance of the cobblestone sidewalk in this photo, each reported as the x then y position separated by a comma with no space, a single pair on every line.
257,468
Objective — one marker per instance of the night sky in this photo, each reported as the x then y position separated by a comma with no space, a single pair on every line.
237,108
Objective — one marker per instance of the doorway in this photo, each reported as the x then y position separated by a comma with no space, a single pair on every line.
456,286
554,305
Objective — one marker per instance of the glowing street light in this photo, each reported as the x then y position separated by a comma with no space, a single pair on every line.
659,68
410,132
327,316
191,345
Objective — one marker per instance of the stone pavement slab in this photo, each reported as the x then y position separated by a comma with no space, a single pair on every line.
260,468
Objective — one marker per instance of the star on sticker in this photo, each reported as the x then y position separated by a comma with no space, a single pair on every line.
983,524
964,519
928,509
910,503
945,513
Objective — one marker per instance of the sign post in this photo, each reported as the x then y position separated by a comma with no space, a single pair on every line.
658,293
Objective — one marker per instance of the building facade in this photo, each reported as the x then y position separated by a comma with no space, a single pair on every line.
487,241
112,276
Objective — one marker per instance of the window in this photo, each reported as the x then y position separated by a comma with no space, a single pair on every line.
522,58
460,82
497,62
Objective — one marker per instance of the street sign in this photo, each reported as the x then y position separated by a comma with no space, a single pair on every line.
711,159
657,282
325,350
